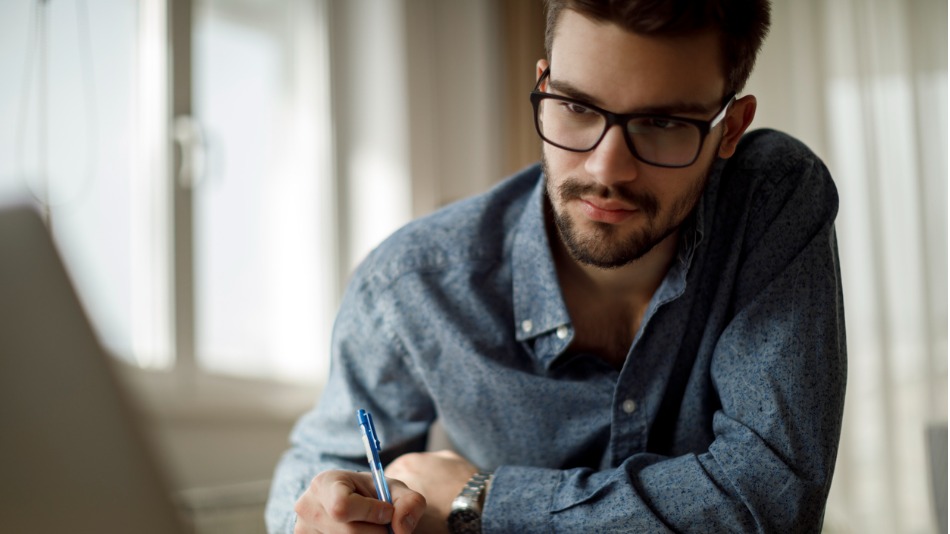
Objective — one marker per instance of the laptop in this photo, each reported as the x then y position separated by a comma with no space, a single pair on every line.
72,456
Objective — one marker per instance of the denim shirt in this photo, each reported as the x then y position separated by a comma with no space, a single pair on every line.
725,416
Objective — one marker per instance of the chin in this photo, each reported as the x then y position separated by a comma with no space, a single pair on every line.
606,246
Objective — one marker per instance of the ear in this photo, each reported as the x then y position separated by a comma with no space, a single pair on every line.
541,66
737,121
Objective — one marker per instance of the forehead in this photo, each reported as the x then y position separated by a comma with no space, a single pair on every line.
625,71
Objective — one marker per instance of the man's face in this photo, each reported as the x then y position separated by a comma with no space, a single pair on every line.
610,208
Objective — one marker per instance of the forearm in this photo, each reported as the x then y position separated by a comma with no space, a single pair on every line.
536,500
648,493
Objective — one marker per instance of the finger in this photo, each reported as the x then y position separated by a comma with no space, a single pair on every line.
362,483
346,505
409,506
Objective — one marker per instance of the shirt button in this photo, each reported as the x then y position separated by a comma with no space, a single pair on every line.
526,325
561,332
629,406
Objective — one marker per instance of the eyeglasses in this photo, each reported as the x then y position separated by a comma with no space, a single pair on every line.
661,140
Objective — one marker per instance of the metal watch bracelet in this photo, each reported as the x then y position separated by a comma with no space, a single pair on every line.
466,514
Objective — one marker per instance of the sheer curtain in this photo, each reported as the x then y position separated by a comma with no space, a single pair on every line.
865,85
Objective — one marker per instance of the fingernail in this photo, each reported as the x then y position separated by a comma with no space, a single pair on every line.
409,522
383,515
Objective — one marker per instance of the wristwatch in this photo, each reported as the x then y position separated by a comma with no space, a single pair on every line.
466,514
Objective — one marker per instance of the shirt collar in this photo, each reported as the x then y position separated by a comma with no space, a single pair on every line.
691,233
538,304
696,227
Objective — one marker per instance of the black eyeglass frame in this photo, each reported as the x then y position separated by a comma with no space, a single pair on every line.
622,119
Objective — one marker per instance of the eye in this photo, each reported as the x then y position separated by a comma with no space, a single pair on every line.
575,109
664,124
658,125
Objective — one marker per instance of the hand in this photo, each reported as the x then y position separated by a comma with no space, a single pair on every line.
345,501
439,477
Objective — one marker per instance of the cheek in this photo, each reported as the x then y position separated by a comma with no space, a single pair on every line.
669,187
561,163
684,195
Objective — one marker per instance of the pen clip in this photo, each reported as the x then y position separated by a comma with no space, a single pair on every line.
372,429
365,420
371,441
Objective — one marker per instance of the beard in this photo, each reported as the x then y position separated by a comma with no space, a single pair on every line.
609,246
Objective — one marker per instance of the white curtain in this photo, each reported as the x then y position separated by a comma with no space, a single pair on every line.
864,83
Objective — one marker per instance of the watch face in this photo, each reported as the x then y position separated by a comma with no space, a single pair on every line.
465,521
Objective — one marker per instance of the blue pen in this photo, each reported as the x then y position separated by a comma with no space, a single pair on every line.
371,442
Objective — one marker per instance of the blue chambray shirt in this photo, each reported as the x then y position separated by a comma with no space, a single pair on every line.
725,417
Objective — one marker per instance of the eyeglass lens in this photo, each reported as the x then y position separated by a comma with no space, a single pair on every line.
658,140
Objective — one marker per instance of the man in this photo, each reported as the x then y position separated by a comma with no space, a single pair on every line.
645,334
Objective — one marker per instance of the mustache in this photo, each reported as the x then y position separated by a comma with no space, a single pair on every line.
574,189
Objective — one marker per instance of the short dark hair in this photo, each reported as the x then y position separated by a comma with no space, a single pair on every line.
742,25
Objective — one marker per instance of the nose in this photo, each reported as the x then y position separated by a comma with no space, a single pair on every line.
611,162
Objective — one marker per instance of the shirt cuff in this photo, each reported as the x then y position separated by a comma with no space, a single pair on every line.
520,500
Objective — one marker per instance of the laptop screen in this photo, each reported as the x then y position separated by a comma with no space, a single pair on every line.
72,456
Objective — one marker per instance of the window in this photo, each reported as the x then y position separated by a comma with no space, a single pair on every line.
244,283
263,205
81,138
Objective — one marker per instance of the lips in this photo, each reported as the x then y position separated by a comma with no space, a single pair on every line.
606,210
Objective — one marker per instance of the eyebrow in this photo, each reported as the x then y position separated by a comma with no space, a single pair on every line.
680,107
